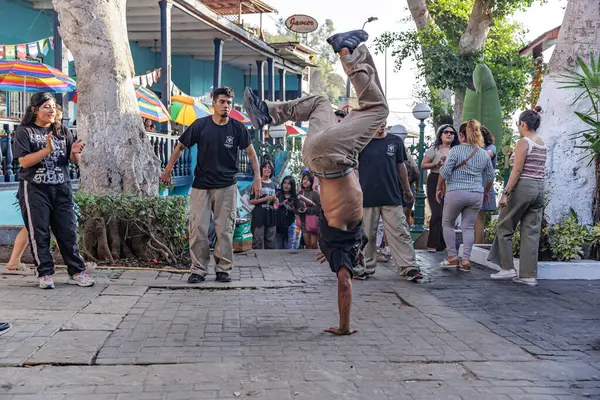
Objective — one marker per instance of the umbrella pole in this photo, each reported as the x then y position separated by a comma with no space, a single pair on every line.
24,109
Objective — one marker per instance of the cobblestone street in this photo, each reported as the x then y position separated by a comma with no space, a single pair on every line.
149,335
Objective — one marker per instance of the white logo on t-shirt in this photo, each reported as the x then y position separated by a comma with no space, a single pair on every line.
229,142
391,150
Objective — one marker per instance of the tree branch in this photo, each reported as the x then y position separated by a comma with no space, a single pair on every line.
480,22
420,13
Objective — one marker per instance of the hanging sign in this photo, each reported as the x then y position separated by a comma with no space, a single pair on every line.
300,23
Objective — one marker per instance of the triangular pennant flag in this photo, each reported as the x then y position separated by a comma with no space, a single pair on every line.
137,80
51,39
155,76
9,52
149,79
32,48
43,46
22,51
1,51
159,72
70,56
144,82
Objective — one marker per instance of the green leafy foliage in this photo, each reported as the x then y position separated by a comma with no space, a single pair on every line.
564,241
586,80
165,218
483,103
568,239
435,49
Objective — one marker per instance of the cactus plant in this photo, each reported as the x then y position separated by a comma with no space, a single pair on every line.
483,103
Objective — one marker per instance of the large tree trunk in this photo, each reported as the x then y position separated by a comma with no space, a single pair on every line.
571,181
118,156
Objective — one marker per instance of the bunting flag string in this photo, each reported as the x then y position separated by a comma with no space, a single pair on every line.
147,79
31,49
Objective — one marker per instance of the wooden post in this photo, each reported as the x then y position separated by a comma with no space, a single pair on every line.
271,75
165,52
218,63
282,84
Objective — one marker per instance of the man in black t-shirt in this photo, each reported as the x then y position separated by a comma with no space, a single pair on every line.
218,139
384,180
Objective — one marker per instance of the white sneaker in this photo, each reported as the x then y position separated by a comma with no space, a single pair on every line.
526,281
505,274
82,279
46,282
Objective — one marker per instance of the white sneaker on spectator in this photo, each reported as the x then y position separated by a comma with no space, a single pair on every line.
526,281
82,279
46,282
504,274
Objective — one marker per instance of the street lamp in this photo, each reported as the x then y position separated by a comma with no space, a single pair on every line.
421,112
370,19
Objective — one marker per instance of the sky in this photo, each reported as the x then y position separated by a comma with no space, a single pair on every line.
351,14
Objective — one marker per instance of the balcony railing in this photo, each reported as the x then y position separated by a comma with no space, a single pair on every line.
9,165
163,145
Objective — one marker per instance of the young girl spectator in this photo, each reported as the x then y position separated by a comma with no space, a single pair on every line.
286,213
309,211
263,215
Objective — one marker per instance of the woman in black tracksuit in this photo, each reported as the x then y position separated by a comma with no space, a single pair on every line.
45,192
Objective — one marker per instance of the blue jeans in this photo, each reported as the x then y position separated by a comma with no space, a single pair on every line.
289,243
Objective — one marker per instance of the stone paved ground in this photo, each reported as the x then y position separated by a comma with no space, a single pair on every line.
148,335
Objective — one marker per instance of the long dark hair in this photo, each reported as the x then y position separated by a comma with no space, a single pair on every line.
438,136
268,162
488,138
310,177
532,118
37,100
57,126
292,182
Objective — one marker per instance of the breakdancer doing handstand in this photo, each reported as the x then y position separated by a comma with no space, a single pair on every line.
331,152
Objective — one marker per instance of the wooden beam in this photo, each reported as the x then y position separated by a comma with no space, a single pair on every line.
176,35
178,27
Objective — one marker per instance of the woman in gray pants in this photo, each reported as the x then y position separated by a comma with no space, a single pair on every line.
465,193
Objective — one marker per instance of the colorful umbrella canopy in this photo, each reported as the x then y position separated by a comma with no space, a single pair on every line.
29,76
185,111
293,130
150,105
235,114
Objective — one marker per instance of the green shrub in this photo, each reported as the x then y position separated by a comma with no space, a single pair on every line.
126,225
564,241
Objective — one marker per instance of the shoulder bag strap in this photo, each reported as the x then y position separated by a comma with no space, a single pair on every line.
462,164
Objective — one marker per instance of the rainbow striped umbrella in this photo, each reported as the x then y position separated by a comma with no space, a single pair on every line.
150,105
185,111
235,114
29,76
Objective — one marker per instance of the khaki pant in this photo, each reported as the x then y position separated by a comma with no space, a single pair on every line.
333,147
397,236
222,203
525,205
